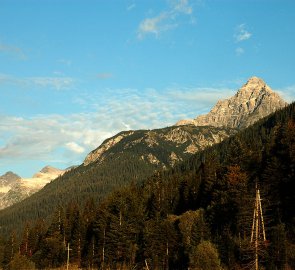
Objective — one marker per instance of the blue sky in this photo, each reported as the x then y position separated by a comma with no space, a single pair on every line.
73,73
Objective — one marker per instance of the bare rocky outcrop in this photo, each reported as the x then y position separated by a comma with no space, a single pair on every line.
252,102
97,154
162,147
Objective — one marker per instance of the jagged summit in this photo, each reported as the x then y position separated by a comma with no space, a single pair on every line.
8,178
50,169
14,188
253,101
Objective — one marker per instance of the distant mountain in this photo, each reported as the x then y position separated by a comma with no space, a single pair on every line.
252,102
15,189
6,181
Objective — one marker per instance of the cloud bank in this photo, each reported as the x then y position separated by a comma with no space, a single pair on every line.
57,83
70,137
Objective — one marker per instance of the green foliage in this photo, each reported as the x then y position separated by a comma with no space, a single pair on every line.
204,257
20,262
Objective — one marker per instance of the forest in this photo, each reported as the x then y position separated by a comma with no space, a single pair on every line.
125,162
197,215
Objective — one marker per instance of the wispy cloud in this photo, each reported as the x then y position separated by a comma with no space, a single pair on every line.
182,6
74,147
130,7
13,50
165,20
65,62
57,83
104,75
239,51
241,33
287,93
71,137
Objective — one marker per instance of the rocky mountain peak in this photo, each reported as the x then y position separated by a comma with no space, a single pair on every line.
253,101
8,178
254,82
49,169
48,172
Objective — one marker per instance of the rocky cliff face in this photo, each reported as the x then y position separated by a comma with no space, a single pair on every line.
7,181
252,102
14,189
161,147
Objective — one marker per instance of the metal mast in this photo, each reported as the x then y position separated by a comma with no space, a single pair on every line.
258,231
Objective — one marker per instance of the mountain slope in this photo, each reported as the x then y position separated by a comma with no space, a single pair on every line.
133,158
252,102
163,147
130,156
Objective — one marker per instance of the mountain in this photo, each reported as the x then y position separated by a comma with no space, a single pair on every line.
15,189
130,156
162,147
6,181
253,101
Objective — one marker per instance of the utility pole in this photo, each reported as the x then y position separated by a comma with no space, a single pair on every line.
258,231
68,257
103,248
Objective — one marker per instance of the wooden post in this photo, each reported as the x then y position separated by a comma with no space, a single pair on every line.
147,266
68,257
258,229
103,246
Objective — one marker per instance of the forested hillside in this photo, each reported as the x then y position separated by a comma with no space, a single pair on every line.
197,215
131,157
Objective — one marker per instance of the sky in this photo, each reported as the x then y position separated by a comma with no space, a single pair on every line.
75,72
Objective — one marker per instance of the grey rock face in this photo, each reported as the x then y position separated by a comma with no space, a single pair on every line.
162,147
8,178
252,102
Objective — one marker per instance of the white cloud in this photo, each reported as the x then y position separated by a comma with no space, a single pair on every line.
65,62
57,83
104,75
13,50
287,93
42,137
130,7
239,51
165,20
202,96
182,6
75,147
241,33
153,25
